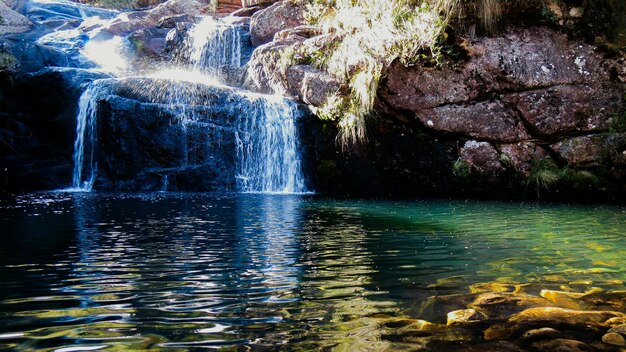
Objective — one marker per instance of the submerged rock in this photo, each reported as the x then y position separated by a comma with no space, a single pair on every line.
501,305
465,317
562,345
613,338
541,334
550,317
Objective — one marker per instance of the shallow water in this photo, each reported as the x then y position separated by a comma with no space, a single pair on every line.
190,271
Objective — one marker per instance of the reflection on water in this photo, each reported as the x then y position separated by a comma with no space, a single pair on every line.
181,271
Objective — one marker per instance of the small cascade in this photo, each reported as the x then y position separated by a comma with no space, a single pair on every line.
85,164
267,147
253,136
212,44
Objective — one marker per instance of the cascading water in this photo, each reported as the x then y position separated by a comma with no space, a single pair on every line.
267,147
212,44
262,127
85,164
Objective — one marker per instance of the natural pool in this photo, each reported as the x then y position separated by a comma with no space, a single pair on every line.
94,271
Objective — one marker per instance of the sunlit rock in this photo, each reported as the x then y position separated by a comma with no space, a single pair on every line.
503,304
465,316
311,85
269,21
620,329
613,338
484,287
11,21
541,334
563,299
550,317
435,308
616,321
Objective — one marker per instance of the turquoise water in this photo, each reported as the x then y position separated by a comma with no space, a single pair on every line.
166,271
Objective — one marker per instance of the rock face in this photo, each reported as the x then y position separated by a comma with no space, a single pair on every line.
38,127
527,98
11,21
269,21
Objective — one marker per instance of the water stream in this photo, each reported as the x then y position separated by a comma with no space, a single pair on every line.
266,142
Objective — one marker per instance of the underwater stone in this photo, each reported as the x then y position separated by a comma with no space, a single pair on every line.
540,334
500,305
465,316
563,299
562,345
613,338
620,329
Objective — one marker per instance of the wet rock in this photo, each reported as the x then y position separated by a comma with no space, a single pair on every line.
265,71
485,287
435,308
11,21
151,41
617,321
620,329
490,120
541,334
606,300
520,155
37,127
465,316
554,315
165,15
550,317
562,345
563,299
500,305
311,85
46,11
613,338
267,22
482,159
173,21
566,109
422,326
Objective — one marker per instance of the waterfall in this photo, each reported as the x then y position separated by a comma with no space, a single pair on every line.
260,131
267,147
212,44
85,164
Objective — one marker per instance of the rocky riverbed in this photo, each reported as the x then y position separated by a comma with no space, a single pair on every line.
515,317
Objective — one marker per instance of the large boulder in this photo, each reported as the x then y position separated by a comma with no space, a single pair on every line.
488,120
482,158
38,124
269,21
311,85
535,77
567,109
11,21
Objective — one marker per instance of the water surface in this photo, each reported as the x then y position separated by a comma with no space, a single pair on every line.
189,271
